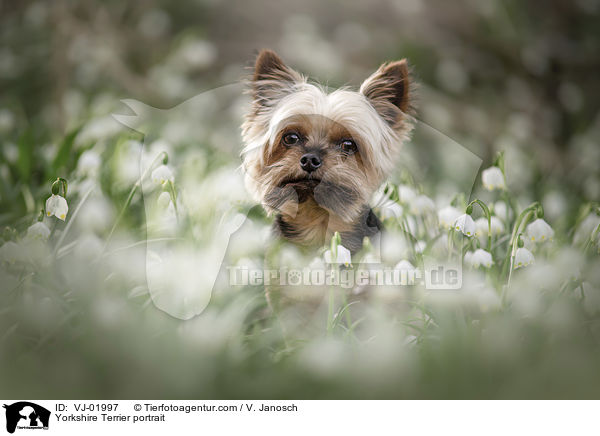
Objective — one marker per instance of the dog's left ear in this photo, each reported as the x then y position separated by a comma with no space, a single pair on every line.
388,90
272,79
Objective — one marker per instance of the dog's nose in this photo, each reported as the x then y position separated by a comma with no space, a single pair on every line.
310,162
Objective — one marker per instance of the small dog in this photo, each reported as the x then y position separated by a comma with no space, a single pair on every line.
315,158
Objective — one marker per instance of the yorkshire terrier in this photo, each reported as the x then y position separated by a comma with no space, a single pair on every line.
314,158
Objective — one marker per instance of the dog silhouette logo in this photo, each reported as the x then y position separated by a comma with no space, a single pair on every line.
26,415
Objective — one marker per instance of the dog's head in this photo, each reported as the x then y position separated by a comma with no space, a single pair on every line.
335,148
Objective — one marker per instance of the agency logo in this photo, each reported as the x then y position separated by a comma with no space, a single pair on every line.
26,415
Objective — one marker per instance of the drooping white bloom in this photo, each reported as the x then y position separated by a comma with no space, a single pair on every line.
390,209
57,206
420,246
468,256
493,178
410,225
7,120
586,228
406,193
523,257
404,265
479,258
407,270
539,231
89,163
501,210
164,200
162,175
465,224
343,256
481,226
11,252
497,225
39,231
316,264
447,216
421,205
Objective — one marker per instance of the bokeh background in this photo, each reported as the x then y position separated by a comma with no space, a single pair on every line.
511,76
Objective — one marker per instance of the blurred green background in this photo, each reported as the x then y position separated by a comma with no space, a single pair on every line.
512,76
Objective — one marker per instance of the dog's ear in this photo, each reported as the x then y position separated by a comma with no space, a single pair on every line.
388,90
272,79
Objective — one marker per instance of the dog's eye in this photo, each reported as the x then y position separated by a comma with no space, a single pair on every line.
291,139
348,146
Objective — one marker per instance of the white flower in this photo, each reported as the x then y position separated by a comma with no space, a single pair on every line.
465,224
404,265
316,264
493,178
164,200
406,193
7,120
468,256
390,209
407,269
343,256
481,226
39,231
57,206
447,216
420,246
11,252
162,175
479,258
89,163
539,231
501,210
523,257
586,228
421,205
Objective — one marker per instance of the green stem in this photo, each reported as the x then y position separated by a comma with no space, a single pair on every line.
522,219
73,216
591,240
488,215
134,189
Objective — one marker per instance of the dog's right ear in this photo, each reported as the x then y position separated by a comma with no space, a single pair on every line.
272,79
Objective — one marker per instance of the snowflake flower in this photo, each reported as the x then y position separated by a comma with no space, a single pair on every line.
406,193
390,209
404,265
447,216
343,256
38,231
57,206
481,226
493,178
465,224
421,205
523,257
164,200
479,258
162,175
539,231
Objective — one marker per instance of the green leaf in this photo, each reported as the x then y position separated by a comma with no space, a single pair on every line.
25,158
64,150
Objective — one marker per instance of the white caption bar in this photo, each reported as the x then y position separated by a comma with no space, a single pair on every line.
22,417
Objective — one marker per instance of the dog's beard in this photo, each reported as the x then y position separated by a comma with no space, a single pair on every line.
336,198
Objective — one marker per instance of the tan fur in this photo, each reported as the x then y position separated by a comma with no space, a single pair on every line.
334,197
